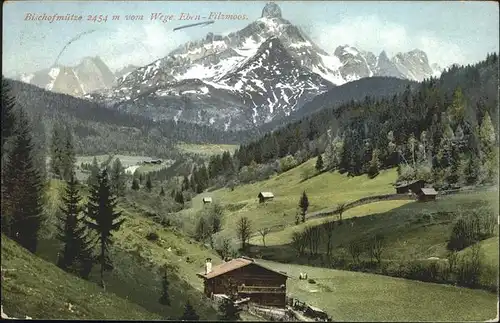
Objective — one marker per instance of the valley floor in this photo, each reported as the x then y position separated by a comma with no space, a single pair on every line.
350,296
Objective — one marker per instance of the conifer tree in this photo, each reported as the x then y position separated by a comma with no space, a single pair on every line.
319,163
8,116
117,178
162,192
304,205
471,170
94,172
194,180
76,256
487,134
374,168
185,183
149,185
179,198
457,108
22,189
189,313
57,150
68,158
330,158
103,219
165,295
135,184
39,145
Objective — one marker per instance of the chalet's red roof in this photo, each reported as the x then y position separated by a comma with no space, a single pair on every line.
230,266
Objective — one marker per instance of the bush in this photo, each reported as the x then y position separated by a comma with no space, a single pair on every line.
355,249
152,236
287,163
468,268
180,252
311,281
476,226
306,173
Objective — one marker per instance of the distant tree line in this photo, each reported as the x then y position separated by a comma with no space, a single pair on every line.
100,130
441,131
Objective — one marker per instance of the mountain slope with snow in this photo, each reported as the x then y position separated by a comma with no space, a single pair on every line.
265,71
89,75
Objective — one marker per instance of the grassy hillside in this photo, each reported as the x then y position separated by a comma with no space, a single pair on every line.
138,261
324,191
284,236
39,289
412,229
207,149
350,296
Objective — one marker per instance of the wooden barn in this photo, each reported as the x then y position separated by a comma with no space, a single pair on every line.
427,194
245,278
207,200
413,186
264,196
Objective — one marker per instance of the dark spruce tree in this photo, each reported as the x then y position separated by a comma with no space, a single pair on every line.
8,114
193,181
162,192
57,144
103,219
149,184
304,205
165,296
189,313
135,184
185,183
319,163
40,145
179,198
68,155
22,189
76,254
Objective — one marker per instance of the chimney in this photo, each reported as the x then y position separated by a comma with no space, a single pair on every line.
208,266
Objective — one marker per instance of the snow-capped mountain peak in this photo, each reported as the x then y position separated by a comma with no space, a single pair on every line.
89,75
271,10
268,69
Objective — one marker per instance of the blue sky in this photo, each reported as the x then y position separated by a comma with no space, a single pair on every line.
449,32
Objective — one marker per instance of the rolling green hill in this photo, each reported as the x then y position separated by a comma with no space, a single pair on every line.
34,287
324,191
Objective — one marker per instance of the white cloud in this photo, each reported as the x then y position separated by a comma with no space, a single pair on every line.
138,45
373,34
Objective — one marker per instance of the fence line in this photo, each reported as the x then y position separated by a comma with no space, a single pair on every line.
361,201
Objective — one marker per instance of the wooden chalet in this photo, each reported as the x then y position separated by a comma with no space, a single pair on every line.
207,200
406,187
264,196
427,194
245,278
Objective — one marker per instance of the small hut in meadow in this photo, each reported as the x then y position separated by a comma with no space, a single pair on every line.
427,194
207,200
413,186
264,196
